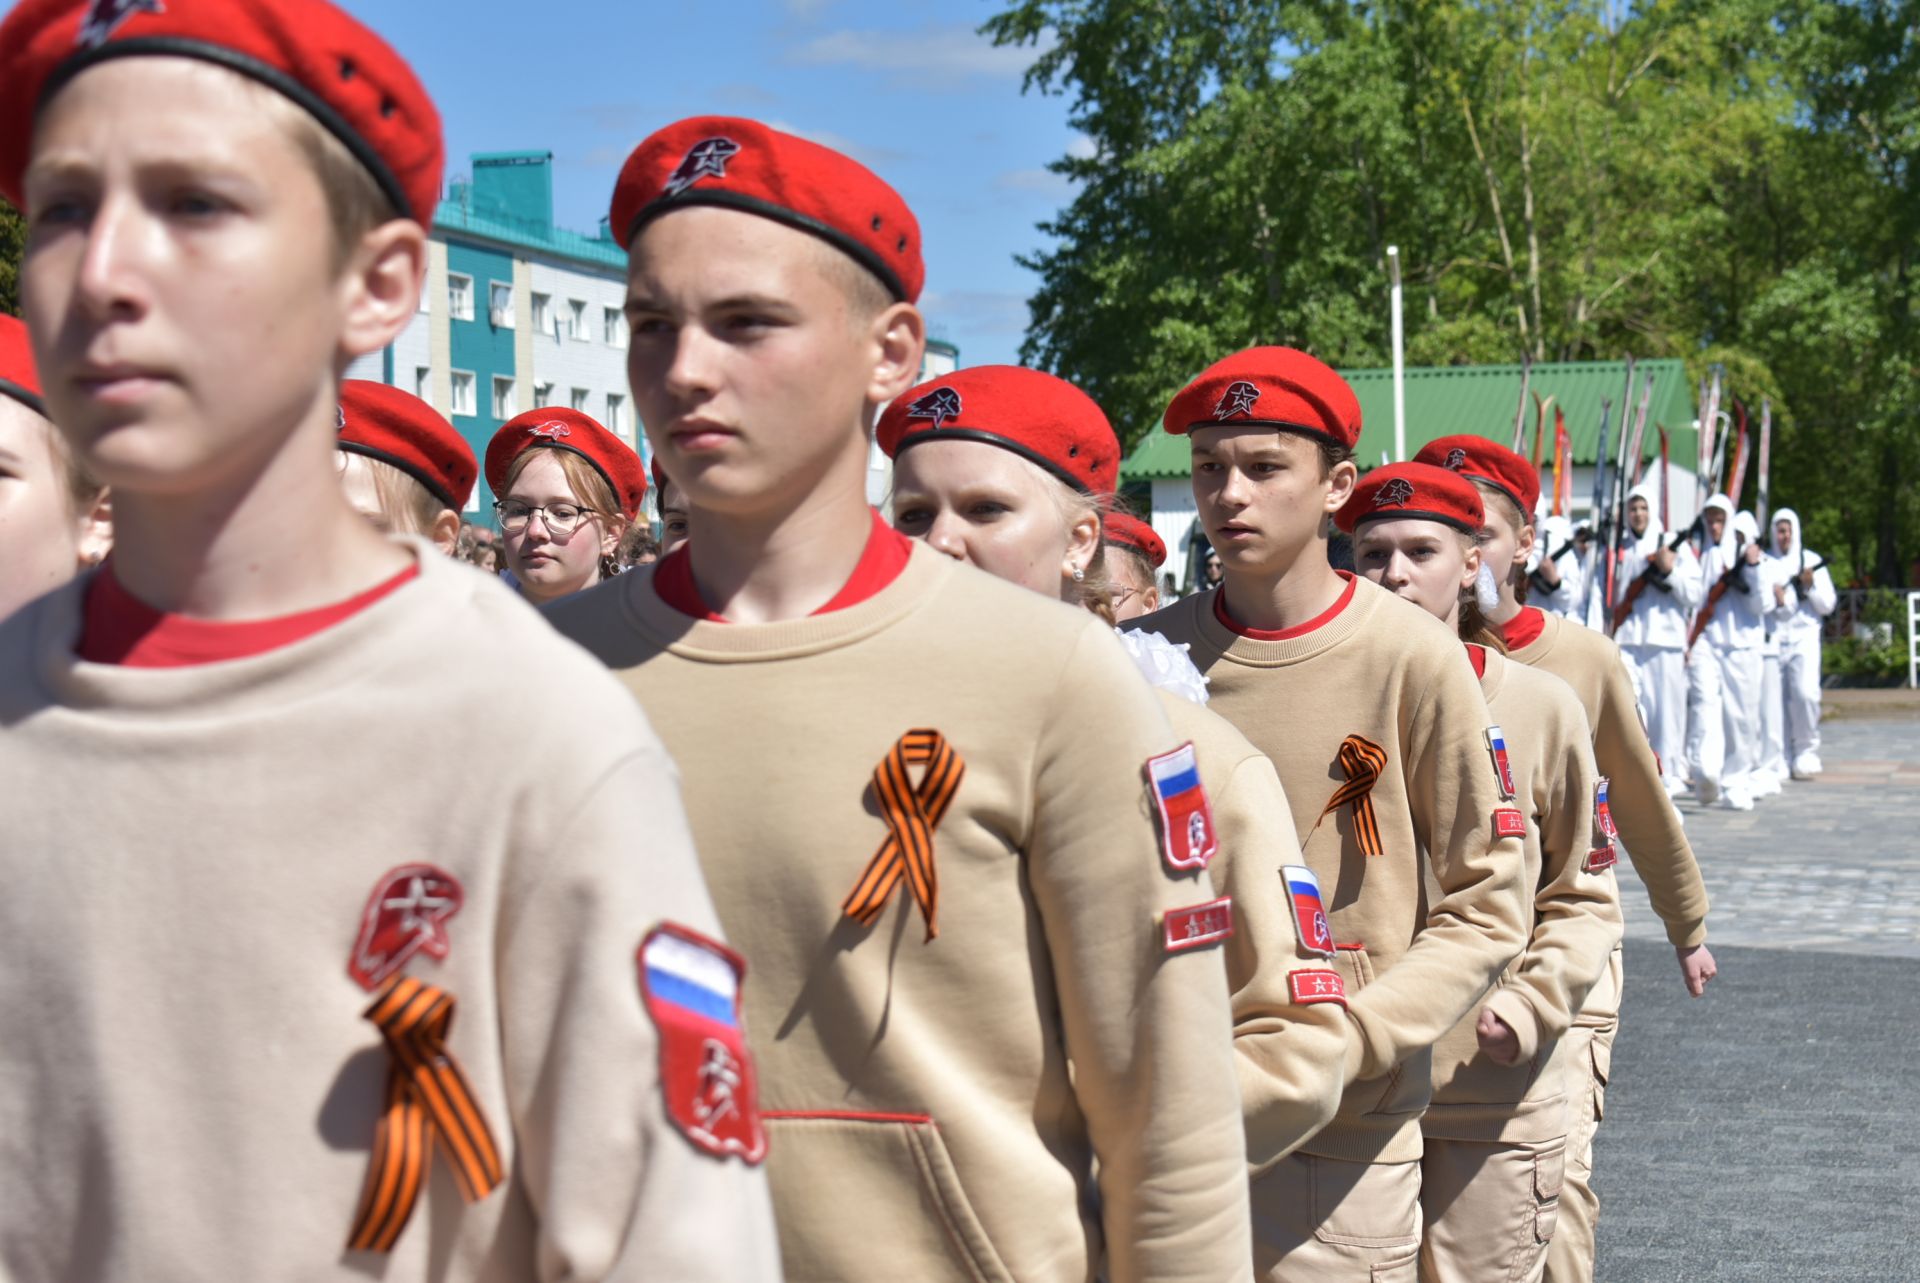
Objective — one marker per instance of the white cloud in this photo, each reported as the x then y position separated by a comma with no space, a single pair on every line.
931,56
980,311
1043,181
1082,148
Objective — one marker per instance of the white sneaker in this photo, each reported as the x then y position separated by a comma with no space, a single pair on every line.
1735,800
1707,790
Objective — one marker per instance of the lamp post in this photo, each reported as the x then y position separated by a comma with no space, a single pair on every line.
1399,356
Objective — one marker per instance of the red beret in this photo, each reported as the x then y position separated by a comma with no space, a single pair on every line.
742,164
1128,531
18,378
1479,459
1270,387
346,77
1416,491
399,428
556,429
1044,420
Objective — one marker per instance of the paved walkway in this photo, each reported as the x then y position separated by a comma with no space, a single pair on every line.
1767,1131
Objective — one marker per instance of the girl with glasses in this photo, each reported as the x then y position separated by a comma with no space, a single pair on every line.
565,490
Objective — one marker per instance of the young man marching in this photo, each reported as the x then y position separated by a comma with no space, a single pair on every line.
923,796
1368,709
286,990
1658,589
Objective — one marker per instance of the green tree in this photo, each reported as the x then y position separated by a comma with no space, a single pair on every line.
13,240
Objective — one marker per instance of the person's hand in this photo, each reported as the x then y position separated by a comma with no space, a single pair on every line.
1497,1038
1696,968
1662,560
1806,581
1549,573
1779,594
1753,554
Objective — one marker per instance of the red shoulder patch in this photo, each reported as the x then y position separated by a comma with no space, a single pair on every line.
1509,823
1311,986
406,914
1600,859
1188,838
1198,925
691,986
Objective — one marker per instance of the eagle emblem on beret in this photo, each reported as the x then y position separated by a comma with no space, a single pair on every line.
551,430
705,159
1456,459
1237,399
103,16
1397,493
938,405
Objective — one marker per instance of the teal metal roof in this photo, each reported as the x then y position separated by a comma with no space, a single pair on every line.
1445,400
456,218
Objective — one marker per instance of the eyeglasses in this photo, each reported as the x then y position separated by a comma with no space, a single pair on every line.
560,518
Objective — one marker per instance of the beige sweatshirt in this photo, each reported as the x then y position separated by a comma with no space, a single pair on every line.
1390,673
188,1086
1649,827
1575,912
1294,1057
923,1122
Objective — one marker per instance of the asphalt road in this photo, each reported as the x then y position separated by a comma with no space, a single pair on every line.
1771,1130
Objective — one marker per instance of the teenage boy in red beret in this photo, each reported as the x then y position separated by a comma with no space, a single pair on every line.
287,990
921,795
1640,807
1371,714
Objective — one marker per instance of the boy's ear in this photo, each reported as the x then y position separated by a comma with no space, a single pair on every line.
444,534
899,336
1340,483
381,283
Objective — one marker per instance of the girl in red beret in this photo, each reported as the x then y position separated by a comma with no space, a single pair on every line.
565,491
403,466
55,519
1134,554
336,1002
1496,1130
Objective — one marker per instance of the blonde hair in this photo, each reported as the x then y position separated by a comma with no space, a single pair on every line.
355,202
410,508
590,490
1094,589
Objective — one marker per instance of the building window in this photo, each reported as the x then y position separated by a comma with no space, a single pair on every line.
459,296
616,414
578,307
578,400
543,313
423,382
542,395
613,324
503,397
500,305
463,392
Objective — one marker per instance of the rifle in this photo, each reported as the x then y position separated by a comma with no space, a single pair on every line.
1719,590
1645,577
1520,415
1766,460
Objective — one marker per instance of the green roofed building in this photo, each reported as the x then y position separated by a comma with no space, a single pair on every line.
1448,400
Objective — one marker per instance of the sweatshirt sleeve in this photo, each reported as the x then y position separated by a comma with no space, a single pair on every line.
1649,826
1576,918
1687,579
1822,597
1148,1030
617,1191
1293,1059
1477,924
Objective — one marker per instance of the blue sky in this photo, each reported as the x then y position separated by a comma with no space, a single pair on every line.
906,87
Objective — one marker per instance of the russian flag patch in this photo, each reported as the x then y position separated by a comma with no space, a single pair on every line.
1309,912
691,986
1188,839
1309,987
1502,768
1602,813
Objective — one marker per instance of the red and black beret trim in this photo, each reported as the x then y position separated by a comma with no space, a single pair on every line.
555,428
398,428
1280,388
1479,459
1413,492
1043,419
840,240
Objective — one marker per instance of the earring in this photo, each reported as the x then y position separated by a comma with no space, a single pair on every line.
1078,574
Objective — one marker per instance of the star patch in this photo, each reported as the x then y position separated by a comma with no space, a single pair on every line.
105,16
1397,493
1198,926
1456,459
705,159
1309,912
406,914
1188,838
1502,768
552,430
1237,399
691,986
938,406
1311,986
1509,823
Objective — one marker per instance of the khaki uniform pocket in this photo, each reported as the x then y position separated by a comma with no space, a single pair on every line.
850,1190
1549,1174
